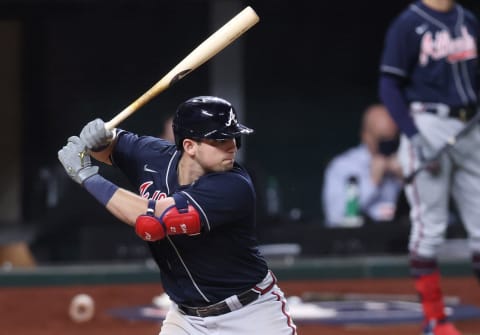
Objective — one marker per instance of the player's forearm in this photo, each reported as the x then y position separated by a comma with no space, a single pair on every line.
392,97
127,206
114,198
123,204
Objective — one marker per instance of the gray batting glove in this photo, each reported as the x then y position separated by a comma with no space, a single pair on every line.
76,161
95,136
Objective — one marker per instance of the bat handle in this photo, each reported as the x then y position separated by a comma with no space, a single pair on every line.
115,121
110,125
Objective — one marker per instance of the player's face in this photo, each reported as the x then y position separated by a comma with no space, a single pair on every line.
216,155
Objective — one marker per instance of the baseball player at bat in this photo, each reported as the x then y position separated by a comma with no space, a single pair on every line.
429,84
195,208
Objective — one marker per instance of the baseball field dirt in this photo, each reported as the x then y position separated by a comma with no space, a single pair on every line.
43,310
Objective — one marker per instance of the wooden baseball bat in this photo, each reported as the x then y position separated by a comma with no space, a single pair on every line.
220,39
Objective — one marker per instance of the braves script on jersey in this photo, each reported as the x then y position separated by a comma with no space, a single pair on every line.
437,51
209,267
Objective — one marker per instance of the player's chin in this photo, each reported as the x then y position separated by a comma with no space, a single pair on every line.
227,164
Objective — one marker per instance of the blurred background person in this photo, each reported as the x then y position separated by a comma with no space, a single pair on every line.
364,181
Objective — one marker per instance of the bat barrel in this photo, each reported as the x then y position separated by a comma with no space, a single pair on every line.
219,40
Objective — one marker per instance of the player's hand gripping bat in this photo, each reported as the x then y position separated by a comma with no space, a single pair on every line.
447,146
206,50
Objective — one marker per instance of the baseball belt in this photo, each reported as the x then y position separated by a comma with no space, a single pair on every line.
463,113
223,307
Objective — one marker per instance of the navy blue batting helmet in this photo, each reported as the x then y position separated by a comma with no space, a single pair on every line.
207,117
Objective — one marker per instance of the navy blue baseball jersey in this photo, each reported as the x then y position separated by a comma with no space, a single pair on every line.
435,52
429,84
223,259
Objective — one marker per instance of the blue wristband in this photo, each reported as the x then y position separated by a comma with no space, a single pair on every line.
151,207
100,188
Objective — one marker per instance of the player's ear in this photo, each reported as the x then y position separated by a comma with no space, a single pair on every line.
189,146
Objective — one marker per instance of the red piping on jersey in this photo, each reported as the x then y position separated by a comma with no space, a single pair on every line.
284,311
417,204
269,287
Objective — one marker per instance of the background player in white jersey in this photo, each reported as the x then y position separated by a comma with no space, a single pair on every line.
429,84
196,211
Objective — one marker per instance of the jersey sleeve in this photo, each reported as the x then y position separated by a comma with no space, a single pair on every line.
399,49
392,97
398,58
130,149
472,20
222,198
